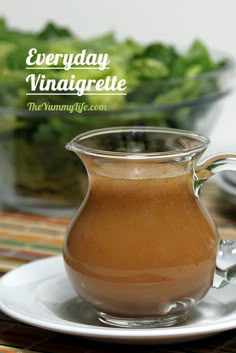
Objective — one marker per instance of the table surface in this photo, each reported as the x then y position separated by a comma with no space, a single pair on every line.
24,238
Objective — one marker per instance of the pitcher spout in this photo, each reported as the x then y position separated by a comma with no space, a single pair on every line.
70,146
73,145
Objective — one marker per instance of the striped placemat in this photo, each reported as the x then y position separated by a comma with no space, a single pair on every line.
24,238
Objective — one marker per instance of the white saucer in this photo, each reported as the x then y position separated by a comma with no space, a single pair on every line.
39,294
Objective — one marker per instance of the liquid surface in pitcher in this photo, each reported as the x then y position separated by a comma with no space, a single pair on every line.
139,240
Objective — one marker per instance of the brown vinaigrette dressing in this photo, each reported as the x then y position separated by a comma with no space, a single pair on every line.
141,243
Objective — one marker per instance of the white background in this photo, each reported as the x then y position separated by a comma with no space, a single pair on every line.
176,21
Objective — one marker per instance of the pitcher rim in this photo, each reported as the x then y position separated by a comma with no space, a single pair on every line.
76,144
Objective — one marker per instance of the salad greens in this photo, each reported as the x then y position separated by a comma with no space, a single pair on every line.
166,87
153,68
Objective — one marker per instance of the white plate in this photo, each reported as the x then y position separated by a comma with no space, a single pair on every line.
39,294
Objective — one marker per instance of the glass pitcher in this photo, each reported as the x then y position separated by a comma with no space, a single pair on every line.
142,248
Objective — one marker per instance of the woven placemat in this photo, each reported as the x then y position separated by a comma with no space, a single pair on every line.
24,238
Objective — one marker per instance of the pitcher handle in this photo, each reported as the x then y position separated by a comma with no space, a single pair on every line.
227,248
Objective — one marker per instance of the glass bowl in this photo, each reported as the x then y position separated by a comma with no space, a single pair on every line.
38,175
